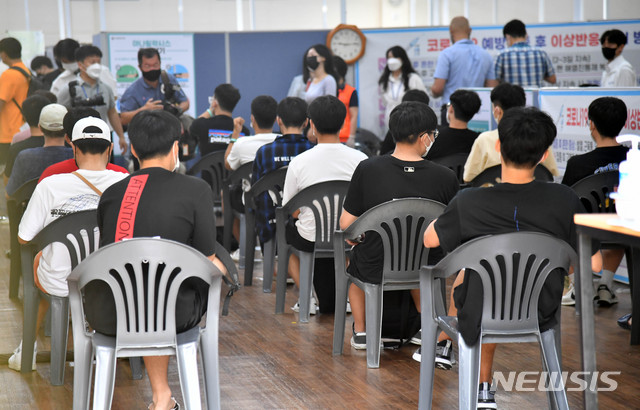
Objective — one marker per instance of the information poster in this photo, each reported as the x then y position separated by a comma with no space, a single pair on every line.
574,49
176,54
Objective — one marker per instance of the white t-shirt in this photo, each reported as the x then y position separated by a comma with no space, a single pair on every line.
66,77
396,90
619,73
56,196
324,162
244,150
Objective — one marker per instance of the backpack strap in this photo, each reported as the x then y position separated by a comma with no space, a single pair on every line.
27,76
167,88
89,184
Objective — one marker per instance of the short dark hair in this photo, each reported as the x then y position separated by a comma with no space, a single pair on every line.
66,49
340,66
87,50
614,36
39,61
47,94
227,96
416,95
11,47
609,114
465,103
514,28
327,113
74,115
292,111
92,146
148,53
152,133
410,119
53,134
263,109
31,108
525,133
507,96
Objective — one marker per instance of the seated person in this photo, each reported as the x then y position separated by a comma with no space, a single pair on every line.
214,127
24,134
483,154
384,178
519,203
328,161
457,137
389,144
60,195
185,216
607,116
31,162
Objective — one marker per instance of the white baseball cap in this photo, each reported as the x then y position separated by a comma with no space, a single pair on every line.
79,132
51,117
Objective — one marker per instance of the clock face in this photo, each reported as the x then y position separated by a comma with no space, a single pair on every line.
346,43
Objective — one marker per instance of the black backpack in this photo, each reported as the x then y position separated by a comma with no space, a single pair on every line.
35,84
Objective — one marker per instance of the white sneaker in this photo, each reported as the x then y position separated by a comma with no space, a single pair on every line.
235,255
15,361
313,306
569,298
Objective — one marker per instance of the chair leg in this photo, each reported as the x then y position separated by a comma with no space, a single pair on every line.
427,368
30,315
373,325
556,392
250,247
340,315
82,371
243,242
306,285
209,354
105,377
281,279
268,260
135,363
187,358
60,332
468,374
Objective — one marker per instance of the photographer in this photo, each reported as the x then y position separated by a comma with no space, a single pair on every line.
155,90
87,90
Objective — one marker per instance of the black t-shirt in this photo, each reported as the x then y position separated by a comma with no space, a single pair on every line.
504,208
14,150
213,134
452,141
381,179
601,159
171,206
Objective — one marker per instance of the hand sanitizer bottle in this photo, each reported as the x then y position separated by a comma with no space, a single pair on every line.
628,195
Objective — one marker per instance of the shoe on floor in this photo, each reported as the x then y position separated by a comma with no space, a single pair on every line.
313,306
235,255
417,338
443,355
605,296
15,361
623,322
486,397
569,298
417,355
359,339
176,407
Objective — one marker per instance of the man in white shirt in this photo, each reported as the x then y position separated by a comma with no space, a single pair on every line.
63,194
618,72
328,161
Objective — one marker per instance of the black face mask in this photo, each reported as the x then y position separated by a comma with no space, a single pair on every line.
608,53
312,62
152,75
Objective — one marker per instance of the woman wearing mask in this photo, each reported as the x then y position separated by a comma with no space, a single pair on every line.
319,73
397,78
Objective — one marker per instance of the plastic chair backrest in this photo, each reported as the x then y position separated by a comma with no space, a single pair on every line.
454,162
401,224
24,192
492,175
211,169
325,200
272,182
594,191
513,268
145,314
242,173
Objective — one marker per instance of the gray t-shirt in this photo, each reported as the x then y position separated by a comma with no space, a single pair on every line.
31,162
85,91
326,86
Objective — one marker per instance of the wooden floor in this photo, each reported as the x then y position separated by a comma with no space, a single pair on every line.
271,361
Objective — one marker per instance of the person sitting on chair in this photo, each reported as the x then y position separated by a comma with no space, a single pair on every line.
519,203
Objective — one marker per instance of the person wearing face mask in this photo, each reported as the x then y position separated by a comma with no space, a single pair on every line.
403,174
618,72
320,78
87,90
483,153
397,78
147,92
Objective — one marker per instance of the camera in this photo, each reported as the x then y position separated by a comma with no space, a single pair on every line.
78,101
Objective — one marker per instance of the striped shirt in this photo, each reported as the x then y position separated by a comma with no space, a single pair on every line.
523,65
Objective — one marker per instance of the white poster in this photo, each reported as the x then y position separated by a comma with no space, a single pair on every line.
574,49
176,54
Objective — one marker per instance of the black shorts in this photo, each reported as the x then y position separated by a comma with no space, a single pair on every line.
294,239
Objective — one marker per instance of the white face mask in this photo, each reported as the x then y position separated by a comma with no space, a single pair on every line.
175,169
71,67
94,70
427,147
394,64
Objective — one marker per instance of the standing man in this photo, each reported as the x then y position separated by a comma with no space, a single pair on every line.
87,90
150,91
464,64
43,66
618,72
522,64
13,91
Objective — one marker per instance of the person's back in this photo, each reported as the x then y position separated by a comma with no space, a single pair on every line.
13,91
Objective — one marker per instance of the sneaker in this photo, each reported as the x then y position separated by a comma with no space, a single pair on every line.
486,397
235,255
623,322
569,298
417,355
313,307
358,340
443,355
605,296
417,338
15,361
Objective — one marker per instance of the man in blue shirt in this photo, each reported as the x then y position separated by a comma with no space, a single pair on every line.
521,64
464,64
149,91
